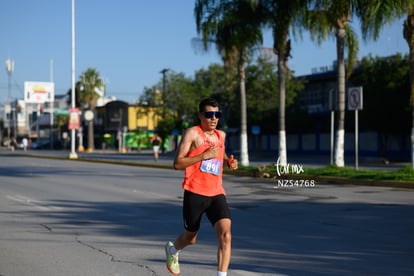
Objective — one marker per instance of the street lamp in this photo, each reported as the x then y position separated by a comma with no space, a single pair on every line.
73,154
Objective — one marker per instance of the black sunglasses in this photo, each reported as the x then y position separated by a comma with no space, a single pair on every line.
210,114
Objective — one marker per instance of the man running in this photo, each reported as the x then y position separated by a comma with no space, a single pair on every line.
201,153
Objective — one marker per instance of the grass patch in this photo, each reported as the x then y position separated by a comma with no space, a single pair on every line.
403,174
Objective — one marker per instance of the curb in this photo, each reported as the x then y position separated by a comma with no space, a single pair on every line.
255,174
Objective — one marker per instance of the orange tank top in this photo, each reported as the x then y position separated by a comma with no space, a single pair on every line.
205,177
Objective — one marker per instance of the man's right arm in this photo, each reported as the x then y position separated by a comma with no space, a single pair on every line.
182,160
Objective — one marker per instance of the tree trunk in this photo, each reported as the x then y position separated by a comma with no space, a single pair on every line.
282,73
244,148
340,132
409,37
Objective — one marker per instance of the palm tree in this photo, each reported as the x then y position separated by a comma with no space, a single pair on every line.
409,37
332,18
282,16
233,27
90,83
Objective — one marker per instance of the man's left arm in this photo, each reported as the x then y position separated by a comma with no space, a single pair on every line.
231,162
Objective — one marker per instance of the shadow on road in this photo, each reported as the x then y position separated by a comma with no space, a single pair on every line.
269,236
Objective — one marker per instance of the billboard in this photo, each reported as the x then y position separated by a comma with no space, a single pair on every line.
39,92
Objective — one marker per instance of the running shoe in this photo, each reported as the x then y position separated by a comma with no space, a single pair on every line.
172,260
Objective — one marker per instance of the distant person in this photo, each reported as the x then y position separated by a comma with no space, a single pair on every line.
25,143
13,144
156,142
201,153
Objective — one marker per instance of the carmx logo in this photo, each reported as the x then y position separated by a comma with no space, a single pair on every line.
288,168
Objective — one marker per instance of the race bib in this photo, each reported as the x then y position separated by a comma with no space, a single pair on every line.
212,166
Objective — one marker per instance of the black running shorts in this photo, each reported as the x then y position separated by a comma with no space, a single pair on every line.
195,205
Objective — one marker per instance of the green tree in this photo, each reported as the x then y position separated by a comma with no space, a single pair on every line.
282,17
77,97
61,120
332,18
183,99
408,32
90,83
385,83
215,82
262,80
235,30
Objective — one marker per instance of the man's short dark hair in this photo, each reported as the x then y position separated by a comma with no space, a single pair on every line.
208,102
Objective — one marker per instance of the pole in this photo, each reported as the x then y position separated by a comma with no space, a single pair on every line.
10,69
52,110
37,124
332,108
356,139
15,120
332,136
73,154
164,90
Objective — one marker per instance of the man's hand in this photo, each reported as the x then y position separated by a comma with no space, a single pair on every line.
211,152
232,163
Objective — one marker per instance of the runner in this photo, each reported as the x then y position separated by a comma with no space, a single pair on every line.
202,154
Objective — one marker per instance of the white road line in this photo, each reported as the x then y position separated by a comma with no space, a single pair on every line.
32,202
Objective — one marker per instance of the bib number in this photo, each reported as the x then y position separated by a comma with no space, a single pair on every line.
212,166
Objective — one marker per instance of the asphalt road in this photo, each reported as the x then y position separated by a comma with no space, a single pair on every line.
61,217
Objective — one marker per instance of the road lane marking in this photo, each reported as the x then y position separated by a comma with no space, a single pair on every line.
32,202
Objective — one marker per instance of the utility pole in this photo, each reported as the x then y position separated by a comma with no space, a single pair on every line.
164,91
52,109
10,69
73,154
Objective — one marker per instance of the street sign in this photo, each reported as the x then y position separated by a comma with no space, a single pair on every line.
355,98
355,103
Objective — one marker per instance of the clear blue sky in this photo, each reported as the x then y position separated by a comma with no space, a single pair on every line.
129,42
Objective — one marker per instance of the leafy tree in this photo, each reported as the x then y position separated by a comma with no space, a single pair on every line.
282,16
77,97
215,82
61,120
262,82
183,99
151,96
179,105
385,83
408,32
90,82
332,18
233,27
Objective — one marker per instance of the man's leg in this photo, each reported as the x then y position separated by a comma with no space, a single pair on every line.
186,238
223,232
173,249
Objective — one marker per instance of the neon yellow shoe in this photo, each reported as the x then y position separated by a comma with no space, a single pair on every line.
172,260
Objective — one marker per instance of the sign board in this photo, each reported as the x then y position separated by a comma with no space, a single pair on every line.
39,92
355,98
74,118
255,130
